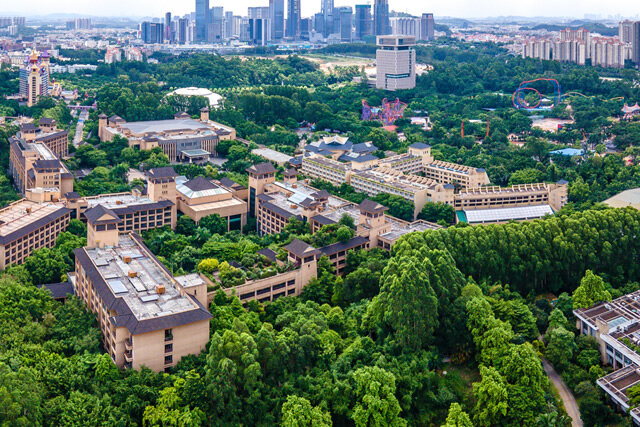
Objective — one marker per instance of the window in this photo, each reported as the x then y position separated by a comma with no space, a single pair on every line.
168,348
168,334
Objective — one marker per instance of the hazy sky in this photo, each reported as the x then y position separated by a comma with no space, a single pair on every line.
459,8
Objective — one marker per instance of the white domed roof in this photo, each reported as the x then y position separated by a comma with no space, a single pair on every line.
214,98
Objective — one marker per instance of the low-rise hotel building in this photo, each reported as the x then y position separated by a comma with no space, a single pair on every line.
182,139
26,226
616,327
201,197
147,316
36,170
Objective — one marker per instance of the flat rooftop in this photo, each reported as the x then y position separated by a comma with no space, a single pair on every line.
629,198
400,228
160,126
286,195
19,215
139,292
271,155
117,200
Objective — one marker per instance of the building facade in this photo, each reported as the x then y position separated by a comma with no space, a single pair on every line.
147,316
396,62
381,25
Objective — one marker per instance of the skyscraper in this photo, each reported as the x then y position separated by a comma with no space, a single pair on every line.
427,27
202,20
381,18
346,16
326,9
215,31
182,33
152,32
293,19
228,24
363,21
625,31
167,27
396,62
635,43
276,14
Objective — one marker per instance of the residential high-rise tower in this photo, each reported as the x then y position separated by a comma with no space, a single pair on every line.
202,20
364,22
276,14
293,19
381,18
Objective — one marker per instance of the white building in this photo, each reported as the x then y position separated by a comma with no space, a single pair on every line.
396,62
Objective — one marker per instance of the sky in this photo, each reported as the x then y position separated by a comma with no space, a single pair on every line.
457,8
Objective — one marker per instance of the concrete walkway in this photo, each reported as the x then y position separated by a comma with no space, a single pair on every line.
570,404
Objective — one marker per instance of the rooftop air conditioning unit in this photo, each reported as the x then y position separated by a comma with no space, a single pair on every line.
126,259
133,274
160,289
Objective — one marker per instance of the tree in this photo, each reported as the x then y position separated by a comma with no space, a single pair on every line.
556,320
347,220
185,225
491,398
437,211
298,412
208,265
560,348
376,403
343,234
457,417
46,266
591,291
214,223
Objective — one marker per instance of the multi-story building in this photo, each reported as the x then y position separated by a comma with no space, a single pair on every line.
381,24
48,134
26,226
406,26
345,15
625,31
152,32
276,14
396,62
427,27
364,21
181,139
635,43
200,197
616,327
203,18
147,316
293,19
139,212
539,49
112,55
34,78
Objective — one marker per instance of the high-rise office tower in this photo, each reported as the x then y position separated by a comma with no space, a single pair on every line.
407,26
363,21
625,31
346,16
228,25
182,33
258,31
215,34
381,18
276,14
306,25
152,32
427,27
167,27
202,20
293,19
396,62
635,43
326,9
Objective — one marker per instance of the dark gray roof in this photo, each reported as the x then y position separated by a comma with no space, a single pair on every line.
307,203
162,204
296,161
102,116
59,290
264,197
364,147
47,164
28,126
301,249
261,168
230,184
268,253
419,145
278,210
562,182
322,194
358,159
94,214
115,118
320,219
52,136
372,207
164,172
356,242
46,121
290,172
72,195
200,183
182,114
34,226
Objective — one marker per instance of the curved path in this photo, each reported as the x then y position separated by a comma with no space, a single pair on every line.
570,404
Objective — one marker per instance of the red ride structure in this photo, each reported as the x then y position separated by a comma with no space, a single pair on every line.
387,114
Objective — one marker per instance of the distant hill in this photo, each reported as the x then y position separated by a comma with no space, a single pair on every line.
594,27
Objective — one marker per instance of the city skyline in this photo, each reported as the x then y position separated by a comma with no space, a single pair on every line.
463,9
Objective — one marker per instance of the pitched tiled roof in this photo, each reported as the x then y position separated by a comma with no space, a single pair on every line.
200,183
290,172
46,121
47,164
94,214
356,242
301,249
59,290
372,207
268,253
230,184
419,145
164,172
261,168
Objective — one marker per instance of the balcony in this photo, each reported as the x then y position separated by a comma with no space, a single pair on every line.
128,344
128,356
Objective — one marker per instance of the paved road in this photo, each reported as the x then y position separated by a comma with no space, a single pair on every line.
570,404
84,115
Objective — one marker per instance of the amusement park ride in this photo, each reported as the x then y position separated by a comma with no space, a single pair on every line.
519,101
387,114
